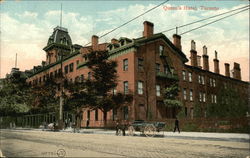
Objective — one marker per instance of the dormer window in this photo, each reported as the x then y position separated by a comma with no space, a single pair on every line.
64,40
122,43
110,47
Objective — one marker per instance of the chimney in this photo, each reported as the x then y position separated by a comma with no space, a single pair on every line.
236,71
177,41
227,68
113,41
205,59
148,29
216,63
95,42
199,61
193,53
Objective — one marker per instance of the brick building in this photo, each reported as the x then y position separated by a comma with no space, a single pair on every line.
146,65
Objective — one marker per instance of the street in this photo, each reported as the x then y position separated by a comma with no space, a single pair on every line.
30,143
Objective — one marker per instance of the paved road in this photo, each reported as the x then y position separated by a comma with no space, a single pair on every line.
24,143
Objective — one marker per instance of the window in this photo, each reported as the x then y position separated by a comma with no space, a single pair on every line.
55,73
212,98
184,94
161,49
51,75
71,67
140,64
122,43
114,91
96,114
166,71
88,115
140,87
125,112
191,95
125,86
225,85
66,69
204,97
82,78
125,65
202,80
199,79
214,83
77,62
200,96
89,75
184,75
211,82
157,67
190,77
158,90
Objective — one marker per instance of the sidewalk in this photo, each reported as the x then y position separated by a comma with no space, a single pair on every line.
238,137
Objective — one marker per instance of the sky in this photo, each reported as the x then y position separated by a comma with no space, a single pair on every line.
26,26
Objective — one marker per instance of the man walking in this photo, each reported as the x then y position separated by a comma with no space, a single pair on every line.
176,125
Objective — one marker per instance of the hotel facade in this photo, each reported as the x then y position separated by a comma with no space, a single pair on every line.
146,65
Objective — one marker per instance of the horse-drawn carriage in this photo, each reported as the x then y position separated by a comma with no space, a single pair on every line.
147,128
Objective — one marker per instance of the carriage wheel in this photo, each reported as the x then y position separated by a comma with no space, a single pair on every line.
149,130
131,131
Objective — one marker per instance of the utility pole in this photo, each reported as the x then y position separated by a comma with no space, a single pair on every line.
16,61
61,103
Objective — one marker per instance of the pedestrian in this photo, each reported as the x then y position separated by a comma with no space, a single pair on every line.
176,125
117,127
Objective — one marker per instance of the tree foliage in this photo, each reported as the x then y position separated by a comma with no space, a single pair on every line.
14,96
44,97
96,92
170,94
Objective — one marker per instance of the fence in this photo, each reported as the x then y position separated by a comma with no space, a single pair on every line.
33,121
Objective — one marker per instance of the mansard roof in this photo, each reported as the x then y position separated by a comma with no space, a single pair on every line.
60,36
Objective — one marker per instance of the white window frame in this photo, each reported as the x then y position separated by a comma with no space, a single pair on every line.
158,90
202,80
140,87
184,75
204,97
161,50
125,87
200,96
199,79
190,76
184,93
125,64
214,83
191,95
211,82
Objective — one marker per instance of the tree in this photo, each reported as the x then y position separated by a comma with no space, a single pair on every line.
170,95
44,97
96,91
14,95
